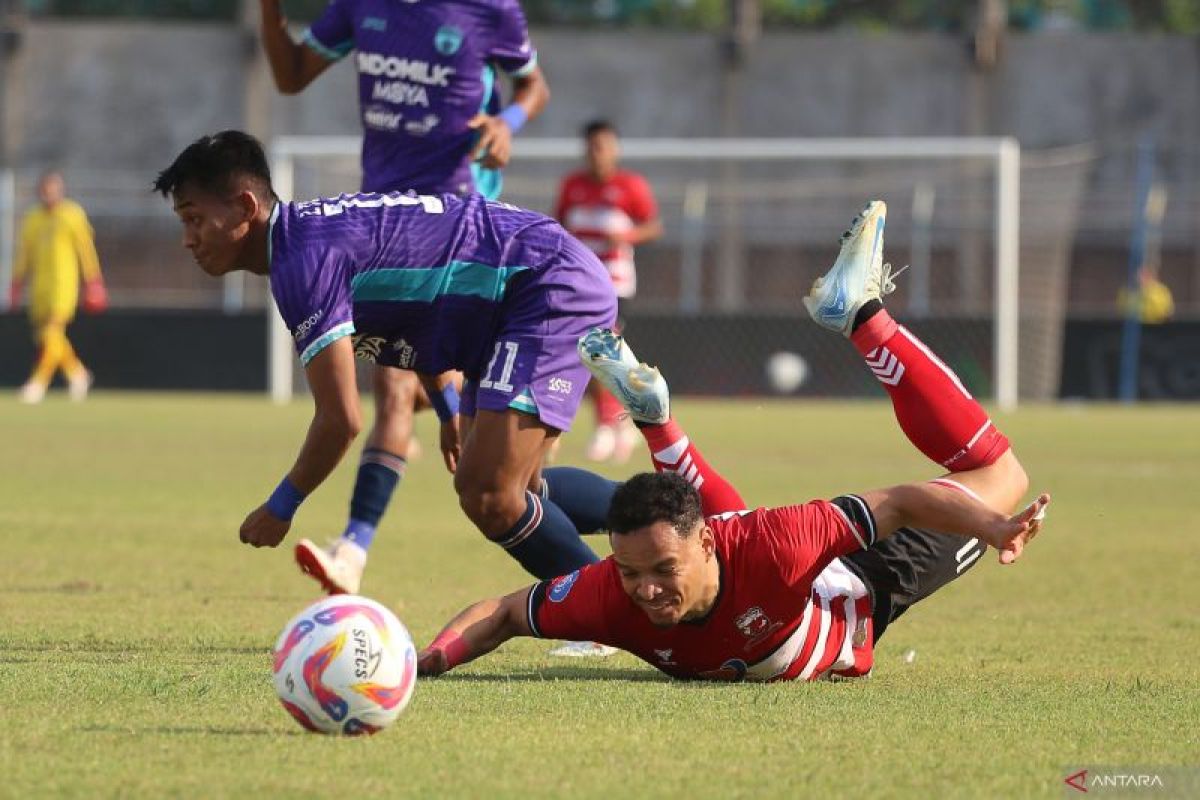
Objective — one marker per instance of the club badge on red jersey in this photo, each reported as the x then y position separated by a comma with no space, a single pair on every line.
755,625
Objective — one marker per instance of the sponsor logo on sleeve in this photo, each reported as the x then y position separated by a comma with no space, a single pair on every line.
560,587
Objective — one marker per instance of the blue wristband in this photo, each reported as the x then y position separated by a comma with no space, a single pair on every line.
445,402
284,501
514,116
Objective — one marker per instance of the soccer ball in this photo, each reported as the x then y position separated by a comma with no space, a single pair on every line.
345,665
786,371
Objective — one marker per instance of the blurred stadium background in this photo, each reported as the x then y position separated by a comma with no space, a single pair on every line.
109,91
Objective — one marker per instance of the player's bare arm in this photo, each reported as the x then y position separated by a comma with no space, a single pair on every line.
336,422
293,65
647,231
476,631
531,93
944,505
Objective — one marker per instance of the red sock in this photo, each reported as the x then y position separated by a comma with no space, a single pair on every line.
934,409
608,408
672,451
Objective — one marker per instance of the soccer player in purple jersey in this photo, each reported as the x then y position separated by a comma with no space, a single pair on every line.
431,123
430,283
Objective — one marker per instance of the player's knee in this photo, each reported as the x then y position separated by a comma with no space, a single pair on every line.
395,391
493,509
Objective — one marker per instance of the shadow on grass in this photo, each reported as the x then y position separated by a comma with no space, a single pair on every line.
69,587
560,674
188,730
87,647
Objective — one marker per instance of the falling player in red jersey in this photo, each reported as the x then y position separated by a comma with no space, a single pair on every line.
612,211
799,592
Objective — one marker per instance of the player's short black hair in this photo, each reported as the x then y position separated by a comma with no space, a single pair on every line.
652,497
213,163
597,126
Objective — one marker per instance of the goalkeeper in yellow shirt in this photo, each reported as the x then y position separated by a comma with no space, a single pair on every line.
54,249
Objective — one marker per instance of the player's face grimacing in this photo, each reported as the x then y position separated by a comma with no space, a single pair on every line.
215,228
672,578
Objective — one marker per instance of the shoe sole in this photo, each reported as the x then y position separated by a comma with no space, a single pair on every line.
310,566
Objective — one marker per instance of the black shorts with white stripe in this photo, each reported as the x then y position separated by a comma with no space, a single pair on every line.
906,567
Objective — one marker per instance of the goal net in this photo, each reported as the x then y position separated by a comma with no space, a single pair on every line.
749,223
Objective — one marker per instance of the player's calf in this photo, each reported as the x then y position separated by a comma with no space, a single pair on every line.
531,529
935,411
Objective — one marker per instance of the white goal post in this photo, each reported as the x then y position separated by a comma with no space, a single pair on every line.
1002,154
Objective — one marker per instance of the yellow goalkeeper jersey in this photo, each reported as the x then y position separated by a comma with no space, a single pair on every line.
55,247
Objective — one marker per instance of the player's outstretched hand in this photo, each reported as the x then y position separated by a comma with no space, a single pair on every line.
451,443
431,662
1022,527
263,529
494,147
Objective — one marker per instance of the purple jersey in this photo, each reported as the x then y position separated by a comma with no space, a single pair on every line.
425,68
435,283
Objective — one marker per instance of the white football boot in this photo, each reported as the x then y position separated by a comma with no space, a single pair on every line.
79,384
338,567
858,276
641,389
32,393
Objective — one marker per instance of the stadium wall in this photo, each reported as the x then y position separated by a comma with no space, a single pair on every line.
127,95
722,355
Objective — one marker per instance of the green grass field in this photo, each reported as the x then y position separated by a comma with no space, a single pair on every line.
135,630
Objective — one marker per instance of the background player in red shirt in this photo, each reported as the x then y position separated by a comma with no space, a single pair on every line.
798,592
611,210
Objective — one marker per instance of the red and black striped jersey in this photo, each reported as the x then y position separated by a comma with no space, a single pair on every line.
787,607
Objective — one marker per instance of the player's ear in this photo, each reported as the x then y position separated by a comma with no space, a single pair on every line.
247,205
708,542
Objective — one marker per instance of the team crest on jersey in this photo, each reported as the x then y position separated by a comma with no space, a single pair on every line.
560,587
448,39
756,625
664,657
368,348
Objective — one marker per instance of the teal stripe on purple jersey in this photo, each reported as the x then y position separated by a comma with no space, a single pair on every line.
426,284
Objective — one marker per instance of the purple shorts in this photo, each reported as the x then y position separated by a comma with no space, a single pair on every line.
533,364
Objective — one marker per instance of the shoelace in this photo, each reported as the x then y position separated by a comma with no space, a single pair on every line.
887,279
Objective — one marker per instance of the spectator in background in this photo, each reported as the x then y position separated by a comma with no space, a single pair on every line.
54,248
1152,302
611,210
